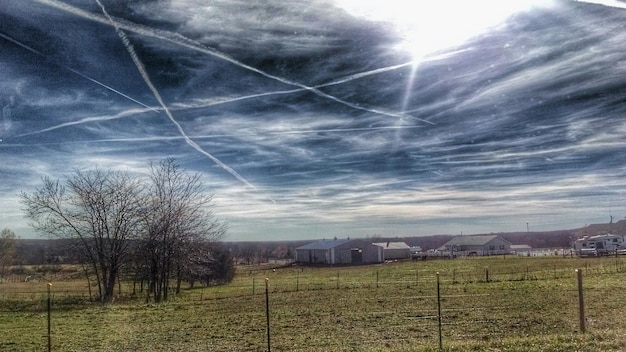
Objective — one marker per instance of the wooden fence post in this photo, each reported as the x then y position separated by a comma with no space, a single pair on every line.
581,301
49,318
267,311
439,313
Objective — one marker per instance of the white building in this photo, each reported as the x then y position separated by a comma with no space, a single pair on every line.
394,250
477,245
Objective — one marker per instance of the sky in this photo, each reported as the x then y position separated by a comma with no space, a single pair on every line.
311,119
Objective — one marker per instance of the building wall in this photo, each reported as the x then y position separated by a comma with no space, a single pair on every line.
397,253
352,252
498,246
493,247
369,253
313,256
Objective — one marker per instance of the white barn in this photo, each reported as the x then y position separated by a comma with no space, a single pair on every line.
394,250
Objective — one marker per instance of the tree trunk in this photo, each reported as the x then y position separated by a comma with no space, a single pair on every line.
110,286
88,280
179,279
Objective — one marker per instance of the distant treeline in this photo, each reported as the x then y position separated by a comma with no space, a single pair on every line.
43,251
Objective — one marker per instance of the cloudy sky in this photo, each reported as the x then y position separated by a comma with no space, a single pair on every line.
318,118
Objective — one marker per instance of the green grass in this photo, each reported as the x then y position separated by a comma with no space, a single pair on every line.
487,304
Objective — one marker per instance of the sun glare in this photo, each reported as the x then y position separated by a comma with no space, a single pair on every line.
429,26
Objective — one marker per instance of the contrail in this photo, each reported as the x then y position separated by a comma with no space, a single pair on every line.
34,51
181,106
389,68
146,78
84,120
189,43
328,84
212,136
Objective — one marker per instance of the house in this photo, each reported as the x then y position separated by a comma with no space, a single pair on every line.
339,251
394,250
477,245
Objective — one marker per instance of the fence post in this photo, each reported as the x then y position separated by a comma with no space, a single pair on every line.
297,281
486,274
376,278
337,280
417,277
49,318
527,277
267,311
581,302
439,313
253,282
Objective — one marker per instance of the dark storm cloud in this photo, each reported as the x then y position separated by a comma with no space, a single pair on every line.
307,121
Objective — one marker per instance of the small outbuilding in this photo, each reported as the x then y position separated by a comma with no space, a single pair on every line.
477,245
521,249
394,250
339,251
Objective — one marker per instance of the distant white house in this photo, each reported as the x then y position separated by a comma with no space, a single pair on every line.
339,251
477,245
394,250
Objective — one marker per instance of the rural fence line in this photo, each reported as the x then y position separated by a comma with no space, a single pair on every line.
460,314
296,280
292,283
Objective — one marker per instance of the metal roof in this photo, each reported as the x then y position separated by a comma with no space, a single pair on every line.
392,245
324,244
472,240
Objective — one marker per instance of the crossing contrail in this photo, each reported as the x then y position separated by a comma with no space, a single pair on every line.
338,81
146,78
181,40
36,52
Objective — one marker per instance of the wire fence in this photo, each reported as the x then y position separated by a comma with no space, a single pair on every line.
396,307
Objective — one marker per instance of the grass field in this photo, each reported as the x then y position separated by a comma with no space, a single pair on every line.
487,304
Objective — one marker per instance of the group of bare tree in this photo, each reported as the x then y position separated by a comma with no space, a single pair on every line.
161,227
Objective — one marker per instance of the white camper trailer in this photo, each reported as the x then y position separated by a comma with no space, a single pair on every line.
599,245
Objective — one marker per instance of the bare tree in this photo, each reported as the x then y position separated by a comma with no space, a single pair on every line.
179,218
101,209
